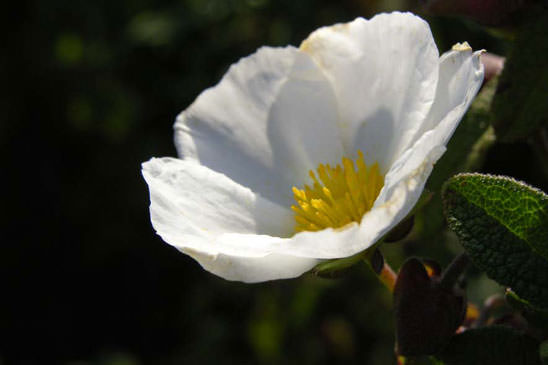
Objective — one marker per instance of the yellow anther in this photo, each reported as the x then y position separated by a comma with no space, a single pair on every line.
338,196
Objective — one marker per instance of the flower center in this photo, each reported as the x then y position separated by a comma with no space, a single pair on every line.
339,195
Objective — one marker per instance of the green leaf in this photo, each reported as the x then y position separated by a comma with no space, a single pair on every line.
494,345
519,105
503,225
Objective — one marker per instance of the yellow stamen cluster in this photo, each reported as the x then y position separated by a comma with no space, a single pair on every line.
338,196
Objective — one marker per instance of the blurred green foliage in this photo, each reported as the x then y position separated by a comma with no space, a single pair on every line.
92,91
520,107
507,346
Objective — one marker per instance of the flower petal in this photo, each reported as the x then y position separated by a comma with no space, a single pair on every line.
384,73
278,113
221,223
402,190
461,75
253,269
193,208
265,125
188,198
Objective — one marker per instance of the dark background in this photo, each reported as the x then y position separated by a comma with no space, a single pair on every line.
92,89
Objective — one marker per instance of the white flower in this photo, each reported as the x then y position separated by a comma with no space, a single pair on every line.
374,86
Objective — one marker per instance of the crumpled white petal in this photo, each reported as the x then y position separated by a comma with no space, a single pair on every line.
460,77
191,199
219,223
384,72
266,124
253,269
375,85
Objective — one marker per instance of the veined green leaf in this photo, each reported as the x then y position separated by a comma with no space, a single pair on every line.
503,225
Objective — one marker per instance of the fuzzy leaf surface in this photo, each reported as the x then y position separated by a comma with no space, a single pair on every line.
503,225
